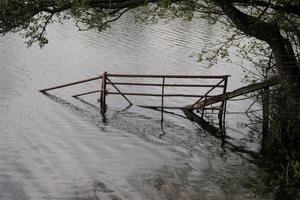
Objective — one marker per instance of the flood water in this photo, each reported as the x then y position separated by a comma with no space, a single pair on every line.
57,147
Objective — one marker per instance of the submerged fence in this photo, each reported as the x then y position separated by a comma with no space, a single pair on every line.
199,105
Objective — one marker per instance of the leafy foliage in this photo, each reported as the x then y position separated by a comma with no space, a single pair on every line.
33,16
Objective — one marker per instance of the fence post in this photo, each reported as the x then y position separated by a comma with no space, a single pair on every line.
266,107
203,108
222,111
162,94
103,106
162,108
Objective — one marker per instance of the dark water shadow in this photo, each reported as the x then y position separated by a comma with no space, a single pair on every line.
95,119
87,103
216,133
168,112
89,116
144,127
104,118
163,111
129,106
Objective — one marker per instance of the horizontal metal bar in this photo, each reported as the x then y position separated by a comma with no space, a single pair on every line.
157,95
160,107
173,107
86,93
232,113
70,84
166,85
214,108
164,111
139,94
165,76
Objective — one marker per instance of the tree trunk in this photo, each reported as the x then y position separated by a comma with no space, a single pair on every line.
285,139
288,131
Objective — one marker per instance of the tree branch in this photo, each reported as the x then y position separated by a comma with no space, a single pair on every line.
250,25
283,7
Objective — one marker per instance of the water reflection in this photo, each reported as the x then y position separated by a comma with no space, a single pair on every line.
88,103
86,114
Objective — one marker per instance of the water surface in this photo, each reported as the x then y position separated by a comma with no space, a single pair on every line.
56,147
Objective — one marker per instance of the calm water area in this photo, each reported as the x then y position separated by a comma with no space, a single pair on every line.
57,147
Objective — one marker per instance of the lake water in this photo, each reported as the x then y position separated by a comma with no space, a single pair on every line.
56,147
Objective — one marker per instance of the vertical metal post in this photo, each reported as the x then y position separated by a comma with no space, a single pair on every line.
203,108
162,94
265,105
162,108
225,101
222,110
103,94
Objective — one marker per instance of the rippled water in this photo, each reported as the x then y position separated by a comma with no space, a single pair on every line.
56,147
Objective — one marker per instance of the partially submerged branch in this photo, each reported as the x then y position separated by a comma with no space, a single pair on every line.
238,92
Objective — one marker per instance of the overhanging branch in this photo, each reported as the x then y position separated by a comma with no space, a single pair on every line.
250,25
282,7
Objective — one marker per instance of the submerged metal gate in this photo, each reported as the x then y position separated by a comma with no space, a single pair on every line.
203,98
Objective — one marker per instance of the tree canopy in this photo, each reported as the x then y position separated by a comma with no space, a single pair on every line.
262,19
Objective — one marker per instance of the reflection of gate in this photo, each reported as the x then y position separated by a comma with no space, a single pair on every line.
203,101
